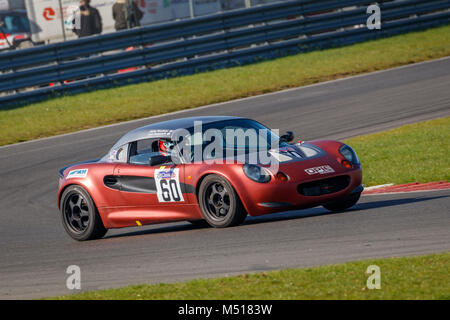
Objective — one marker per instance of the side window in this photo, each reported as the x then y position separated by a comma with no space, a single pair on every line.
142,150
119,155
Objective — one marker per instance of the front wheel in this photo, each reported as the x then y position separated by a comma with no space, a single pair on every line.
79,215
220,204
343,204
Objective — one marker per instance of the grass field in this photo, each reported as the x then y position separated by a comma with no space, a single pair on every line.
426,277
76,112
417,152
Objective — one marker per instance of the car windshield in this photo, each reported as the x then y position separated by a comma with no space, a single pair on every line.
226,139
236,134
14,23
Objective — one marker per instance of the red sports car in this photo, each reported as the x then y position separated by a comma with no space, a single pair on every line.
212,170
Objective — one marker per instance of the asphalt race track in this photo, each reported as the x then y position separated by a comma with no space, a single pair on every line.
35,251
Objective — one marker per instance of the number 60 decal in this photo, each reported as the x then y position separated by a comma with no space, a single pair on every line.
168,185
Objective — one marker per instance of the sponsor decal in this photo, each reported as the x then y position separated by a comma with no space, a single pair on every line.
78,173
159,133
166,174
168,185
320,170
112,156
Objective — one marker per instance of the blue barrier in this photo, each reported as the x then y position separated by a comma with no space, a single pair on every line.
205,43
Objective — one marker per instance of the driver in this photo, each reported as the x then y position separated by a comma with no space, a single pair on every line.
165,147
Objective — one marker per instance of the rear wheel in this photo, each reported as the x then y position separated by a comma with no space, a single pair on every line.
221,206
343,204
79,215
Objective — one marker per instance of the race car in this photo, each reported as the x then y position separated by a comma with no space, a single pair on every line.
212,170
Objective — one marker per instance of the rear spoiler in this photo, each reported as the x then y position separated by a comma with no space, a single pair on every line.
61,171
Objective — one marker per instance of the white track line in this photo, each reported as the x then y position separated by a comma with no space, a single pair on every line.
378,187
402,192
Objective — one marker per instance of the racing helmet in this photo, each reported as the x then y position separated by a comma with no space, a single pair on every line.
165,145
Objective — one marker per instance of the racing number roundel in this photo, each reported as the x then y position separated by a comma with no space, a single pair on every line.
168,185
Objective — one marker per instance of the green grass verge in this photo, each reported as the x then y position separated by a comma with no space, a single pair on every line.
426,277
76,112
416,152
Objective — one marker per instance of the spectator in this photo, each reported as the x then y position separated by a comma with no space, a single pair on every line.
126,14
90,20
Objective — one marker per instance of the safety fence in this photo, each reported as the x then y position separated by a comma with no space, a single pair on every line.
205,43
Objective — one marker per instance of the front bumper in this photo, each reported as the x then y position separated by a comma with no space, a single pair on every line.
277,196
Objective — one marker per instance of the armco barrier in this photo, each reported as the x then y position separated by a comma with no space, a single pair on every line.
205,43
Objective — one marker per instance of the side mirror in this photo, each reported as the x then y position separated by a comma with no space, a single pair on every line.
288,137
158,160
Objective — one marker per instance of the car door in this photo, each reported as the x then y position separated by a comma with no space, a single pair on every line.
142,185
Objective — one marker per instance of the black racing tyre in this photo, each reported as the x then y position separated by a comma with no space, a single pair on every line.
343,204
220,204
79,215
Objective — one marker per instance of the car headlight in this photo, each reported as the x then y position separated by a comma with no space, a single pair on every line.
256,173
349,154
